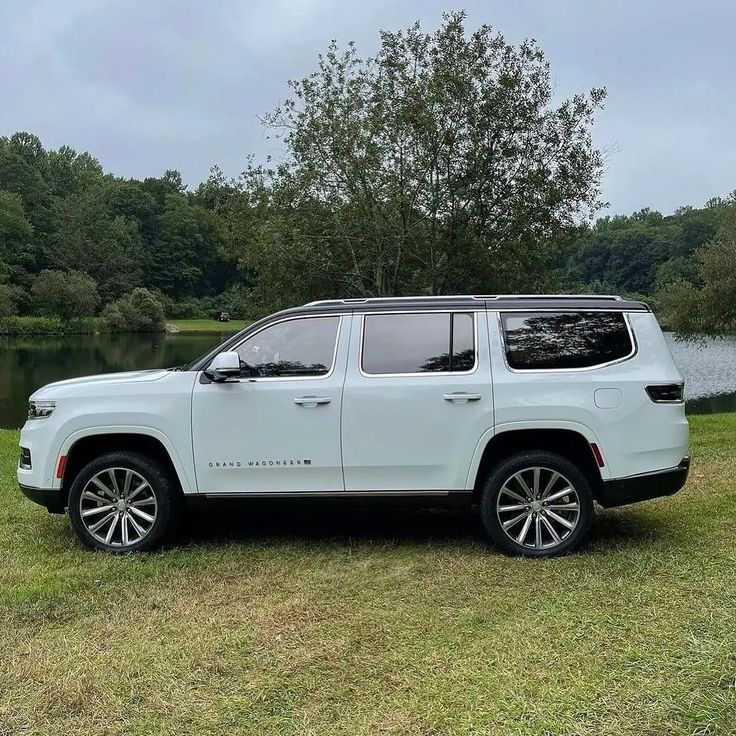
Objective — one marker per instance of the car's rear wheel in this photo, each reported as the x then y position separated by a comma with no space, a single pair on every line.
537,504
123,502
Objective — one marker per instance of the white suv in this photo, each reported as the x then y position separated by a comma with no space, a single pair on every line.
532,407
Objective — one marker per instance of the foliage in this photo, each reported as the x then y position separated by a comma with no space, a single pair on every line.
440,165
68,295
443,164
642,252
27,326
139,311
7,302
711,308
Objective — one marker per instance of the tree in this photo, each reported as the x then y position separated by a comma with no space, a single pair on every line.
711,309
7,302
440,165
68,295
15,235
88,237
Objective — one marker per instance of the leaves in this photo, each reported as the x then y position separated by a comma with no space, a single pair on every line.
440,165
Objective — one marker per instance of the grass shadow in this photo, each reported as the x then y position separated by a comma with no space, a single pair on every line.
345,522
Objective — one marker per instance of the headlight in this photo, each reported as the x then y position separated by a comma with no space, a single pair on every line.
40,409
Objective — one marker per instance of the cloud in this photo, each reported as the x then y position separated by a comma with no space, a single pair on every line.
147,86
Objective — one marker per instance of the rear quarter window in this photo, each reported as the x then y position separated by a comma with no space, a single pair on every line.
560,340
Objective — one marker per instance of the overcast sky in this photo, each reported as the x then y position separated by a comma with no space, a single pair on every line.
146,85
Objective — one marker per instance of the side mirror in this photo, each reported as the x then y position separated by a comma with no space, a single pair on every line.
224,365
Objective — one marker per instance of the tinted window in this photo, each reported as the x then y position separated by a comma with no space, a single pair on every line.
298,347
418,343
565,339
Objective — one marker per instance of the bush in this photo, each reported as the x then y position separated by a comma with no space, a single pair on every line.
68,295
138,311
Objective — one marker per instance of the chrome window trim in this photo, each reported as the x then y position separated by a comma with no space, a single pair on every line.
264,379
422,374
597,366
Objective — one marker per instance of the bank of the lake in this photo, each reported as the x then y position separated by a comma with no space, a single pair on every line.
26,326
292,620
208,325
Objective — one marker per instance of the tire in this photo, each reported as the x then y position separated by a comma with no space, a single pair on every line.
512,525
102,517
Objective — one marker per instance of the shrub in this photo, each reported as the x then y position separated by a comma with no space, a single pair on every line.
138,311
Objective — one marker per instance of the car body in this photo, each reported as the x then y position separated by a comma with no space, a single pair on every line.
426,397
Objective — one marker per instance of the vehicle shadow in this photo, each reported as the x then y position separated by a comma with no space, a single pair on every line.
345,522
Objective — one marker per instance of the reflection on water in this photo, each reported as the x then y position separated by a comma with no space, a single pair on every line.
27,363
709,368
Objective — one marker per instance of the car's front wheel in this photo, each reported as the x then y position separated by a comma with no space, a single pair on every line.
537,504
123,502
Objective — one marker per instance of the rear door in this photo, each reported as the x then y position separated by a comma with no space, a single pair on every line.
417,398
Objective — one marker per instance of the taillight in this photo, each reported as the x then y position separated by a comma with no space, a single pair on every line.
667,393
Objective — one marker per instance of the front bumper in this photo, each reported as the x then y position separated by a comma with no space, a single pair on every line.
642,487
51,498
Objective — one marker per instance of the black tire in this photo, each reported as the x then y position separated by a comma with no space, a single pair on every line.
525,462
163,489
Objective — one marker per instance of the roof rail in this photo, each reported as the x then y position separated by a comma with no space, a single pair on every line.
526,297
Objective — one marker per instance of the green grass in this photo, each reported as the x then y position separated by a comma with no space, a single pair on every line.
318,621
208,325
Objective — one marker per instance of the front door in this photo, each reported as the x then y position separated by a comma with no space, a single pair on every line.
418,397
277,427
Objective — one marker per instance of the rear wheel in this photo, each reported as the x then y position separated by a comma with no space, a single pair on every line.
123,502
537,504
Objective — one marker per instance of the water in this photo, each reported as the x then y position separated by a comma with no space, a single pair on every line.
26,363
709,368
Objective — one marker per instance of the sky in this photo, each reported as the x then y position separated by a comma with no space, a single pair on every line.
147,85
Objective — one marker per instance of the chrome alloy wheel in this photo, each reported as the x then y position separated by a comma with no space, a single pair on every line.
118,507
538,508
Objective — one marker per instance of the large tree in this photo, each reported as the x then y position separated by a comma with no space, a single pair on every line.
443,164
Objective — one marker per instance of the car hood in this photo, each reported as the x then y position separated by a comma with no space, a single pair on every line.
58,387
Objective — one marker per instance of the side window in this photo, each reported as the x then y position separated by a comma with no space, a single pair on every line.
295,348
418,343
555,340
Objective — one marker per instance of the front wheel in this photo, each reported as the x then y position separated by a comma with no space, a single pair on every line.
537,504
123,502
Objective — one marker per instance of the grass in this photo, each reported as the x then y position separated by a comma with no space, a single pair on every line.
22,326
272,620
209,325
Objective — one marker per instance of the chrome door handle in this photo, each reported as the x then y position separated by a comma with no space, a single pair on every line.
310,401
461,396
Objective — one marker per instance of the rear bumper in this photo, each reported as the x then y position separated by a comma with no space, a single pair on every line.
642,487
51,498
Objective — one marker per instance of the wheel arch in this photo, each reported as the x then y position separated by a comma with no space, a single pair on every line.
80,448
568,442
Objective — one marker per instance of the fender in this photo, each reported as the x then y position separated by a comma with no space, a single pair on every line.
486,437
185,478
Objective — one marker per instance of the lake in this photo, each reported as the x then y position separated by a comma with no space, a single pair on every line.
26,363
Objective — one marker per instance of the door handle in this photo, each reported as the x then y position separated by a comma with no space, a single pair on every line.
461,396
311,401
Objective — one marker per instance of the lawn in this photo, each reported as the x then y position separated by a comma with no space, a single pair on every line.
352,621
208,325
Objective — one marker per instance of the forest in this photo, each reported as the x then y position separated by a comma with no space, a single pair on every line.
442,165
